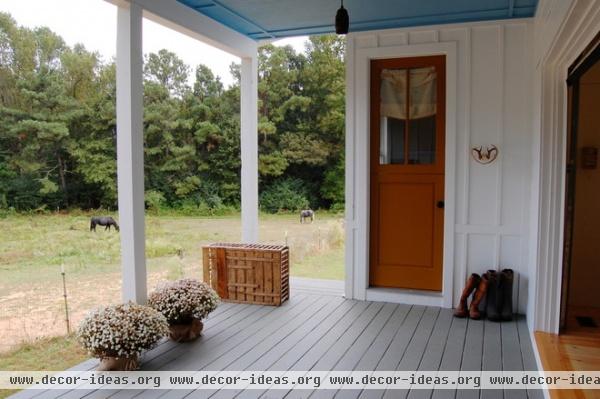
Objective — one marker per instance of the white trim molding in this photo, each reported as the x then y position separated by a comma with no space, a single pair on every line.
575,23
350,172
358,176
413,297
183,19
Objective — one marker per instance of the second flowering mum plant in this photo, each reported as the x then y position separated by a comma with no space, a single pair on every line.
184,303
118,334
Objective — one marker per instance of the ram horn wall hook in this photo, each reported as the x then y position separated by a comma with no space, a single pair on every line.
485,155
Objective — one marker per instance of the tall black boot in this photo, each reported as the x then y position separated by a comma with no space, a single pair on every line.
506,289
491,308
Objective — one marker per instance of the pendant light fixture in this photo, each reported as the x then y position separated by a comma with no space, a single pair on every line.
342,20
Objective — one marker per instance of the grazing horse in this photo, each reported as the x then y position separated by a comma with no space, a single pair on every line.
103,221
305,214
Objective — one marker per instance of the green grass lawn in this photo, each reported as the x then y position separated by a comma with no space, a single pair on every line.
33,248
58,353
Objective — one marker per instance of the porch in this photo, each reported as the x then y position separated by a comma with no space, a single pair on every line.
505,213
320,330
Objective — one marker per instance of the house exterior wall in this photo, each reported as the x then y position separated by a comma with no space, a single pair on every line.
489,102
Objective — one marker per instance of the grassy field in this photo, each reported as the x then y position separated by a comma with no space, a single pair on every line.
33,248
58,353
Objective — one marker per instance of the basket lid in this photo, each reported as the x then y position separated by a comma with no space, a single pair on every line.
264,247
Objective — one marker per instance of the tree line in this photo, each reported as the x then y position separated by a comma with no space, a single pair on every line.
58,127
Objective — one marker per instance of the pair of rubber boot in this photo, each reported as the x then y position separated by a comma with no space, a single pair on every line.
492,296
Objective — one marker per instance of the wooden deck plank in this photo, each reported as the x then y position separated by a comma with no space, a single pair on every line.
527,354
329,358
223,323
223,311
262,357
322,332
215,343
452,356
395,352
310,357
311,344
434,351
88,365
247,354
373,355
268,356
472,357
286,360
416,350
334,353
492,355
215,328
382,342
249,339
511,354
350,338
362,345
235,334
317,286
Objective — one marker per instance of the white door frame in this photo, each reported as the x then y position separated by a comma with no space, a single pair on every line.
577,31
358,173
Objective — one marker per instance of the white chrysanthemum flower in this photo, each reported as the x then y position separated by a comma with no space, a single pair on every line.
183,300
111,331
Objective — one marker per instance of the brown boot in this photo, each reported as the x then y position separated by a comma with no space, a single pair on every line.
472,283
478,296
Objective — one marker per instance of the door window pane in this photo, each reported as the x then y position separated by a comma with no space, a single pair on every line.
392,141
421,144
393,109
422,126
408,107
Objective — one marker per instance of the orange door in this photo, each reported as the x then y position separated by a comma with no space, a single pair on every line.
407,172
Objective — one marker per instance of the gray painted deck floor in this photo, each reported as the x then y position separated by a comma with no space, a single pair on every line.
322,331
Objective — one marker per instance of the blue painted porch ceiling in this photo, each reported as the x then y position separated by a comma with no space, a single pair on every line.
263,19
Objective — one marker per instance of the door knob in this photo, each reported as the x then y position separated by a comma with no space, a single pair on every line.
440,204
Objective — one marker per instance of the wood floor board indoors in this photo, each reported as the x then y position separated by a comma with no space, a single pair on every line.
577,348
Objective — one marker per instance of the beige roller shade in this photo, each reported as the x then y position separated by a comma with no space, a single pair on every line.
422,93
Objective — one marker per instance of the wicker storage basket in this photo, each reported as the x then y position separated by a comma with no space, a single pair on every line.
248,273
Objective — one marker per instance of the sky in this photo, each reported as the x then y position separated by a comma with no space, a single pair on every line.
94,24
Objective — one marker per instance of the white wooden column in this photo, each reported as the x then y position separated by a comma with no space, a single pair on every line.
130,151
249,145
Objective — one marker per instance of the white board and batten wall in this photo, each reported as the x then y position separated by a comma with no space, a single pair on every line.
489,88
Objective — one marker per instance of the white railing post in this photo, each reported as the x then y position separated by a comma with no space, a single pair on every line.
130,151
249,148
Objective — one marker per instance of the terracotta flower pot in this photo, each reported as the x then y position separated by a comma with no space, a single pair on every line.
110,363
186,332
